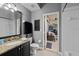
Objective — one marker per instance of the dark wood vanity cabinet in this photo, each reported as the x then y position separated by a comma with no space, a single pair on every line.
13,52
25,49
22,50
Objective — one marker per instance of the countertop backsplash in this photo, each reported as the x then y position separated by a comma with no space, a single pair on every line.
12,38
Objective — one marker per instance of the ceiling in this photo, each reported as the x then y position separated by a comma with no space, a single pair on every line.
33,6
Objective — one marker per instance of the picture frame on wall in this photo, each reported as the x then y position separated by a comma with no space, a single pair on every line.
37,25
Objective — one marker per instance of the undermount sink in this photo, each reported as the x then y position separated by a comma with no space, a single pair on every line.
13,43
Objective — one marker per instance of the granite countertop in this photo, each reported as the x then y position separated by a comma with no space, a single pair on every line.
7,46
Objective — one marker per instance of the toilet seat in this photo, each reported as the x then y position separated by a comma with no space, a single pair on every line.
35,45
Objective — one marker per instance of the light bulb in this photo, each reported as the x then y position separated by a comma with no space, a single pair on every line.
12,10
15,8
6,7
9,5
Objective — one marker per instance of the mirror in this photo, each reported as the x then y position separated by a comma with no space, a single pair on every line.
10,23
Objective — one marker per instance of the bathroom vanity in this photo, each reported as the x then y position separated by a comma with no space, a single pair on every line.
16,48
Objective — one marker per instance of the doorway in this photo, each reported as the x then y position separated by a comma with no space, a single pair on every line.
51,31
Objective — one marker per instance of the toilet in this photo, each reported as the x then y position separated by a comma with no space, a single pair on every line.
34,47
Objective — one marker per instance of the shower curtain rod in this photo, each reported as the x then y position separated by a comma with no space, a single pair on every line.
64,7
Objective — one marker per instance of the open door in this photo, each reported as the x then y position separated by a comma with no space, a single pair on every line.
51,31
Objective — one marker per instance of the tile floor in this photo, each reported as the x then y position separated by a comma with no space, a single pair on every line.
55,46
49,52
46,53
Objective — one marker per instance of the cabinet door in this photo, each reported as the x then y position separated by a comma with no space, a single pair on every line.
22,50
25,49
13,52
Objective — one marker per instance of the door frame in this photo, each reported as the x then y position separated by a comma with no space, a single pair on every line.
44,31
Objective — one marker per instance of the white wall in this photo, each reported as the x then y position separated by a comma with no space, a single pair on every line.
48,8
38,34
26,13
70,30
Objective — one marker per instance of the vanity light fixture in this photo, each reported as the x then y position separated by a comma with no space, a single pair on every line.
9,6
12,10
6,7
